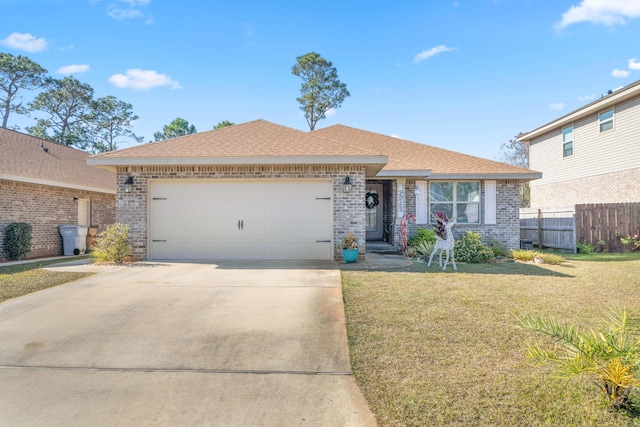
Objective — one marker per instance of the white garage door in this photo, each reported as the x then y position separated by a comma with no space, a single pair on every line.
210,220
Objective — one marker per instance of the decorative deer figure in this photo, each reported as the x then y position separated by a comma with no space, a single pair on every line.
445,245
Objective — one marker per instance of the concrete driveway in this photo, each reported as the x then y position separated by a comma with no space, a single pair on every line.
253,344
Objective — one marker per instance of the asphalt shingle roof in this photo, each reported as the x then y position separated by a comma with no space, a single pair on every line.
23,156
420,156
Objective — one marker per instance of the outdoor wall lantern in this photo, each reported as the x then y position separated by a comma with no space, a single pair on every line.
128,184
346,185
416,191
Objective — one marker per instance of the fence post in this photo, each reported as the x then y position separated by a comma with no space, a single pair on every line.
540,228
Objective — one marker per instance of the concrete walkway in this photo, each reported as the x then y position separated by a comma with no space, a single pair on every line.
375,261
230,344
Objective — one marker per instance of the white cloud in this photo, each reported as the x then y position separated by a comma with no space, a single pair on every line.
138,79
393,135
619,73
73,69
607,12
633,64
426,54
26,42
586,97
130,10
330,112
557,106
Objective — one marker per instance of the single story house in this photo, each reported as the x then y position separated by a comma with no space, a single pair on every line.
47,185
259,190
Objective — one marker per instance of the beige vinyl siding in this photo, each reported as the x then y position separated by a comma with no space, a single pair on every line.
594,152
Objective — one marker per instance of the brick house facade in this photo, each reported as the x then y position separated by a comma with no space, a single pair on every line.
259,152
47,185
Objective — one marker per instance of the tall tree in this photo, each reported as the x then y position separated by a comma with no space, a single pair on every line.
16,73
110,119
321,90
223,124
516,153
178,127
68,104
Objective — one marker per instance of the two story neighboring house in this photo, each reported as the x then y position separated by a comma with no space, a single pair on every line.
591,155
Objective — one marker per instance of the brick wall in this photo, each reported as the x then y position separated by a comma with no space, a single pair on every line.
348,208
616,187
507,229
45,208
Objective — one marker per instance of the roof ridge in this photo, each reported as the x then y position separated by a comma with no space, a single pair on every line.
42,140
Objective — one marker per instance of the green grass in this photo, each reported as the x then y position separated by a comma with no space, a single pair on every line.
22,279
444,349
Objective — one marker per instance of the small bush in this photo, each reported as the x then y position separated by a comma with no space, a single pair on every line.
528,256
525,256
471,249
111,244
586,248
17,239
499,249
426,235
423,249
552,259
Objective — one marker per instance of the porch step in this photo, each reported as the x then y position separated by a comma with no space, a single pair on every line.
381,248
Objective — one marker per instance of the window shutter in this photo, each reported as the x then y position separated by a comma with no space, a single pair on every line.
490,202
422,208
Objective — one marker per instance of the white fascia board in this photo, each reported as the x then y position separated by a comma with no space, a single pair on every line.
258,160
599,105
519,176
426,173
38,181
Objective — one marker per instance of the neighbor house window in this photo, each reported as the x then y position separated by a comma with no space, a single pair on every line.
459,199
567,141
606,120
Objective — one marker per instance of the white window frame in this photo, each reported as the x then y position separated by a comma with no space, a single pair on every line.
568,142
455,202
606,121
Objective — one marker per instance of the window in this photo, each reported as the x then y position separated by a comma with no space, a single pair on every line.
606,120
460,199
567,141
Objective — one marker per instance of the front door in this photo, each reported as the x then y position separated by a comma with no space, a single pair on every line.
374,213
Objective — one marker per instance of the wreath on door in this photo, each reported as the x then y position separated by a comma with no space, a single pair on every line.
371,200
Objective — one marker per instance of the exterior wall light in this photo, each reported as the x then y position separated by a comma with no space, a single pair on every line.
346,185
416,191
128,184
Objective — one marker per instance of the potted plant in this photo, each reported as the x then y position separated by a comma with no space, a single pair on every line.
350,248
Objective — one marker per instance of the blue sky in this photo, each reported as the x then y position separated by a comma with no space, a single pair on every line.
463,75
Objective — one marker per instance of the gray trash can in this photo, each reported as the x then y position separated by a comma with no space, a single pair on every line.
74,239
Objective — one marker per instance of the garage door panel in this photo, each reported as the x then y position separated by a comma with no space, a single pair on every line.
280,220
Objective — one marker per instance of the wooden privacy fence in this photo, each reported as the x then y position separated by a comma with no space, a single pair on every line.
604,222
549,228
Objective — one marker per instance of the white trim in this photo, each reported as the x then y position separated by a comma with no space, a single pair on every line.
490,202
425,173
483,176
255,160
30,180
422,203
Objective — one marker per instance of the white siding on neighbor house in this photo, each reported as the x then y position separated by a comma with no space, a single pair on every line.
594,153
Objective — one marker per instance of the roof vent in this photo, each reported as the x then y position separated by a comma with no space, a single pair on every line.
45,149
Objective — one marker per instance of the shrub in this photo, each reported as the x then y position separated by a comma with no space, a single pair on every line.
610,357
426,235
499,249
552,259
525,256
111,244
528,256
585,248
423,249
471,249
17,239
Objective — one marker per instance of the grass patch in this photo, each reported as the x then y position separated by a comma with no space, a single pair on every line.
434,348
22,279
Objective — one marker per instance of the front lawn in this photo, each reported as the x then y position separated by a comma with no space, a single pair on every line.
444,349
22,279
